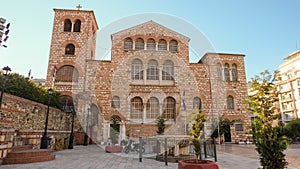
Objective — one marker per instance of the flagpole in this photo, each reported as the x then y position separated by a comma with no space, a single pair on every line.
185,123
184,108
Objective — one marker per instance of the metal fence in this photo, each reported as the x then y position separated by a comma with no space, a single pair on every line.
174,149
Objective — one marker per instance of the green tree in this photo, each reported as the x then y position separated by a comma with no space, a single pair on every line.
160,124
197,120
292,129
270,141
20,86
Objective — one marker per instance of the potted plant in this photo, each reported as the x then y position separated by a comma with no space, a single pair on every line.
198,120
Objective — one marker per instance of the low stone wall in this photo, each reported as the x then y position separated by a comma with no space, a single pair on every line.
21,114
6,141
22,122
10,138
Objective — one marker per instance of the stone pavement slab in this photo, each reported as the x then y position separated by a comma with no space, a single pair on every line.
94,157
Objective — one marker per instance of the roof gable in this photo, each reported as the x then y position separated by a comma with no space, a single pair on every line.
148,28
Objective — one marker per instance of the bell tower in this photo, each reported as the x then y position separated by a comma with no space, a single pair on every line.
73,43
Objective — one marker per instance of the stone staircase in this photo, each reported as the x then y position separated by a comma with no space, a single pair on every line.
25,154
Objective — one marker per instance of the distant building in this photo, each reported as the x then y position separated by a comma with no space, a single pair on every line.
148,76
289,87
39,82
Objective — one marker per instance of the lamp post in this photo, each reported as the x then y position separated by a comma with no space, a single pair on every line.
6,70
71,140
44,140
86,137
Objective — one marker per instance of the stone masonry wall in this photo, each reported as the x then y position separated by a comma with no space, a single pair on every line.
22,122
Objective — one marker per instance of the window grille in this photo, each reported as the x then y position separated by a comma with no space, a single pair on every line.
173,46
152,70
152,108
67,73
137,70
128,44
139,44
136,108
151,44
168,70
169,108
162,44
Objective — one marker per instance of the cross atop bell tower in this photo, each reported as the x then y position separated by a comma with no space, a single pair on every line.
78,7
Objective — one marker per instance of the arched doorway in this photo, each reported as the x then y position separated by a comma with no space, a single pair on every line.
115,121
227,134
94,124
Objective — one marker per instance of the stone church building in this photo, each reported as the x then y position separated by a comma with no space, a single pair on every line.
148,76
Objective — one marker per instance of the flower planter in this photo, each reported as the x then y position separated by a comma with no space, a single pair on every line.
113,149
202,164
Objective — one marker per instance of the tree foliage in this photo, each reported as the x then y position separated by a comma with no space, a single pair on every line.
270,141
20,86
292,129
222,127
197,120
160,124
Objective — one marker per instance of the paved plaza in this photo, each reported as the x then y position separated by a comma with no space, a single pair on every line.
94,157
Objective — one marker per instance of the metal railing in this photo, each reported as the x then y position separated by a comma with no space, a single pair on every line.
174,149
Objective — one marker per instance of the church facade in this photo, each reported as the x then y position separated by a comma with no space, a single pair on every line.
148,76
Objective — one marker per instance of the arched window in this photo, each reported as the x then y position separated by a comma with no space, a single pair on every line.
136,108
230,102
169,108
152,70
234,72
139,44
67,25
137,70
70,49
173,47
152,108
151,44
168,70
67,73
115,103
197,103
162,44
67,103
94,115
226,72
128,44
77,26
219,72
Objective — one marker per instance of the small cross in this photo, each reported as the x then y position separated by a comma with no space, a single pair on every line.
78,6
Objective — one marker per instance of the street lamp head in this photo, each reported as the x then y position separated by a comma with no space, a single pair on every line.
6,70
50,91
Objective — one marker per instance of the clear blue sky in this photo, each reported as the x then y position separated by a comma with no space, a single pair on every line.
265,31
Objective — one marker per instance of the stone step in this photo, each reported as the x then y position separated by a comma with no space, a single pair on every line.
21,148
23,160
18,143
29,153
